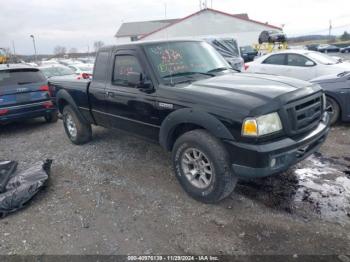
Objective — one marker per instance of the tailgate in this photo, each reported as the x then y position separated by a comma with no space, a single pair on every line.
22,86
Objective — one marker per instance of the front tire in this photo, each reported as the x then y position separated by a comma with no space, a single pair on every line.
77,130
333,109
202,166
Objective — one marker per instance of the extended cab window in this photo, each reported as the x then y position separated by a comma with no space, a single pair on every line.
298,60
123,65
102,66
275,60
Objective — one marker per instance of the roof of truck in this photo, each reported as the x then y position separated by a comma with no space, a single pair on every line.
141,43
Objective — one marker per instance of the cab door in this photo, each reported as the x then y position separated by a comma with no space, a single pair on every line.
129,107
97,90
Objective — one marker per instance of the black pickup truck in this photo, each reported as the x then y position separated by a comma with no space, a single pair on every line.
219,124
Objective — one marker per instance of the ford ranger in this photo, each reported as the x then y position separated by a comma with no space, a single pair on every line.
219,124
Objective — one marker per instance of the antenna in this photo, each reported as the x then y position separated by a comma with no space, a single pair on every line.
167,40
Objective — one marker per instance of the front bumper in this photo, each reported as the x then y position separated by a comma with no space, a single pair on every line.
251,160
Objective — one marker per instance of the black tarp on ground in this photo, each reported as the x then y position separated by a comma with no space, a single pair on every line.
17,188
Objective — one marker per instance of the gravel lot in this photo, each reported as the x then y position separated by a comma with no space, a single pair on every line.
118,195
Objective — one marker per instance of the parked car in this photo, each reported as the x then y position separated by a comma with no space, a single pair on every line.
82,70
86,60
219,124
272,36
312,47
49,62
248,53
337,88
345,49
66,62
56,70
228,48
328,48
24,94
300,64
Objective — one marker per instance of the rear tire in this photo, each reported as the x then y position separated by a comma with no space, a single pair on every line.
333,109
51,117
202,166
77,130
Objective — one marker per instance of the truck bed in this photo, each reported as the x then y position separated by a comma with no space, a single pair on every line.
77,89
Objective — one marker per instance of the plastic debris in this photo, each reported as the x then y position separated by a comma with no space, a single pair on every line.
17,188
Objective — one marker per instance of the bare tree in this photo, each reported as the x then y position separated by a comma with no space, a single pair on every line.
73,50
60,50
7,51
98,45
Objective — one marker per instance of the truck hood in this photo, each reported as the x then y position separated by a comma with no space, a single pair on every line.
247,91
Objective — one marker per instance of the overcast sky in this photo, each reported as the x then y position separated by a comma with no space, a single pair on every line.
78,23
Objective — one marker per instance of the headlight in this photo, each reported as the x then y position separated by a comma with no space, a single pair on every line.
262,125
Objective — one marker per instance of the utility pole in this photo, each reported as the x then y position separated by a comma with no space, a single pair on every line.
13,47
35,54
330,30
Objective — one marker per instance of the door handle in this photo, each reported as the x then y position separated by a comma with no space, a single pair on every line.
109,93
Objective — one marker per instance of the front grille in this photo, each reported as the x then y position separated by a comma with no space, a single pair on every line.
305,114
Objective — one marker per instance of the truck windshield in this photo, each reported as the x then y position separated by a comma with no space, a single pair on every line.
175,62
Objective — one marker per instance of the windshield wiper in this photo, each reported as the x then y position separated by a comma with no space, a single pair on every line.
343,73
219,69
24,83
189,74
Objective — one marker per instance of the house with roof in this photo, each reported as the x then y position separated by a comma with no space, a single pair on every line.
206,23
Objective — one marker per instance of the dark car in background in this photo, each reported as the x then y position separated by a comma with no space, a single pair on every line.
228,48
248,53
345,49
24,94
337,89
328,48
272,36
312,47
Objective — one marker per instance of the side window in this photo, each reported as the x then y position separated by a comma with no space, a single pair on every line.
123,65
298,60
102,66
275,60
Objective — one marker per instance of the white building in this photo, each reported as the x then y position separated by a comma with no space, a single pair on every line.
202,24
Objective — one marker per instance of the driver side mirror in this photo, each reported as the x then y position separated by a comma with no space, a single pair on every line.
309,63
134,79
137,80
